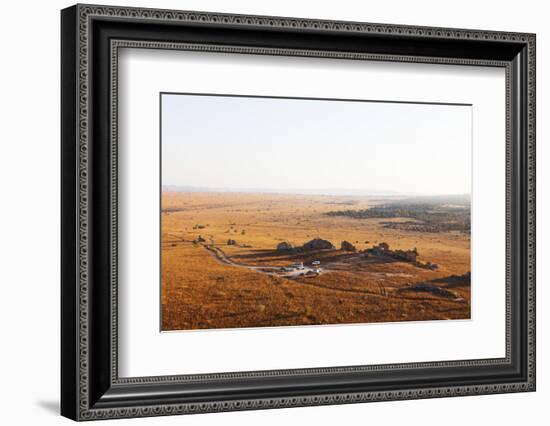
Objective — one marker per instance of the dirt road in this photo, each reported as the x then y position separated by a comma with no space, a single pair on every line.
219,255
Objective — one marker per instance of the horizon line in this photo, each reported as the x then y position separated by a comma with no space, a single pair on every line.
309,191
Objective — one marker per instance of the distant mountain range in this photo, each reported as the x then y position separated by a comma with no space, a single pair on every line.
306,191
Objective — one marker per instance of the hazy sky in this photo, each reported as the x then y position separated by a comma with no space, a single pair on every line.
292,145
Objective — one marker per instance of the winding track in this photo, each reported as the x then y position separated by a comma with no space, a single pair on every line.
219,255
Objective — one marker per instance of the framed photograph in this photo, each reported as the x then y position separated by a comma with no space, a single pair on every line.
263,212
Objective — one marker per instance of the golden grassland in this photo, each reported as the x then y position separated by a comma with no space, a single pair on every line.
199,291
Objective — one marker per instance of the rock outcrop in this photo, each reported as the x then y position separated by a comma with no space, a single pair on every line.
347,246
384,246
383,249
284,246
406,255
318,244
431,288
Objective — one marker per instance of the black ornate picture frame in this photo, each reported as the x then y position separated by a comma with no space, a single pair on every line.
91,387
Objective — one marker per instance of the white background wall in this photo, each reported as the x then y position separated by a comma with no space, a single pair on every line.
29,213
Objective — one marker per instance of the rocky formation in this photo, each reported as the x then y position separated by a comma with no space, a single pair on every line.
383,249
431,288
405,255
455,280
285,246
347,246
428,265
379,250
318,244
383,246
315,244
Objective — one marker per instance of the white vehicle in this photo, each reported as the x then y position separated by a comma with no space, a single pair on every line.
316,263
297,265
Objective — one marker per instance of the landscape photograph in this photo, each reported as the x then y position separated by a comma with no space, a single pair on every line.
299,211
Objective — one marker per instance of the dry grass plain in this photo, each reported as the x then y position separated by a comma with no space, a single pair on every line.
200,292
